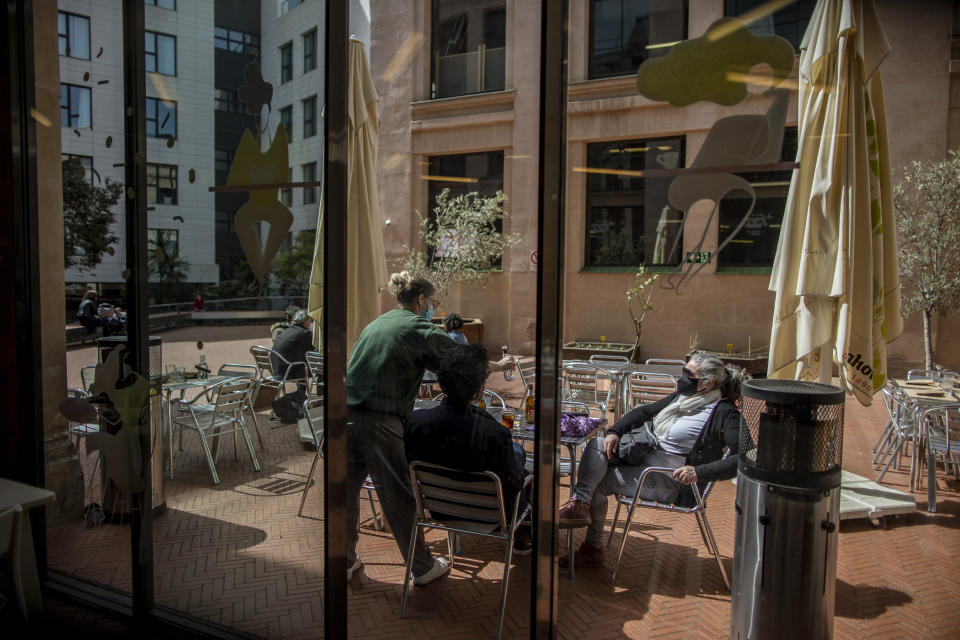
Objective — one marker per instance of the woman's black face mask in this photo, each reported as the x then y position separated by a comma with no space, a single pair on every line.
688,383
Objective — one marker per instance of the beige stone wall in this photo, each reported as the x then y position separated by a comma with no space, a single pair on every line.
62,470
719,308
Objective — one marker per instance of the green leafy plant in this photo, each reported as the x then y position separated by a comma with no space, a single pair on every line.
87,217
291,268
638,302
462,240
165,264
927,206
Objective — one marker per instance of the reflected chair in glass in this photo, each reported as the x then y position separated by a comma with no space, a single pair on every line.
313,410
224,414
269,379
463,503
246,371
581,383
644,388
694,502
527,367
315,368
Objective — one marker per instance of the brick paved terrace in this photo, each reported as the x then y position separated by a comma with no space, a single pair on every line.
237,554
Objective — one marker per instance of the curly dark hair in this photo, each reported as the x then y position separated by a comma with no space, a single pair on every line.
463,372
453,322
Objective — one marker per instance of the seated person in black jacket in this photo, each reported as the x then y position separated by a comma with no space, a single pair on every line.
461,436
693,425
293,344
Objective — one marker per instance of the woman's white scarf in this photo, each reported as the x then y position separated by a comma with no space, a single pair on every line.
683,405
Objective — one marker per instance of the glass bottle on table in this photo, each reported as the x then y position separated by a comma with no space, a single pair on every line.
530,406
481,404
508,374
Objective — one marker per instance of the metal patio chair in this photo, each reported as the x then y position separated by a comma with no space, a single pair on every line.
246,371
665,361
900,431
315,368
223,415
697,506
527,367
263,358
463,503
313,410
941,432
643,388
492,399
581,384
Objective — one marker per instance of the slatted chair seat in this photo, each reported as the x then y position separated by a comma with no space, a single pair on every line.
463,503
643,388
581,384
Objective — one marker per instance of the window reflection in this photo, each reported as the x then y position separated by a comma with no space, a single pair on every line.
286,62
75,106
789,22
161,53
624,33
73,35
161,118
628,219
161,183
469,47
85,162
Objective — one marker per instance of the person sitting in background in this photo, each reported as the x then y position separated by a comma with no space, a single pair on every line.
293,344
693,426
454,326
461,436
87,314
277,327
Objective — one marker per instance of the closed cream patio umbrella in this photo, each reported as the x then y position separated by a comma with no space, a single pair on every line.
366,265
835,273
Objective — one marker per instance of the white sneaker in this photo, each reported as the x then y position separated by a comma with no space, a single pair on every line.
440,569
352,569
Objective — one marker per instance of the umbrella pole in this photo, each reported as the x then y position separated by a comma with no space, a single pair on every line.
826,363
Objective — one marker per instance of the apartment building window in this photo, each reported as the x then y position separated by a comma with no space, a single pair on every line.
310,50
789,23
161,118
163,4
310,117
468,48
75,106
287,5
286,62
85,162
624,33
286,195
286,119
237,41
222,159
73,35
628,218
755,244
161,53
309,173
227,100
161,183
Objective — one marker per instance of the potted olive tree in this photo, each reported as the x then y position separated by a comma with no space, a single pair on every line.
462,243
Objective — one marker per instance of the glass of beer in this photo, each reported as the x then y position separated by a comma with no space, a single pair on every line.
507,418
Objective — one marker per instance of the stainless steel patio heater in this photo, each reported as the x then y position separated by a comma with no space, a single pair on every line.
788,501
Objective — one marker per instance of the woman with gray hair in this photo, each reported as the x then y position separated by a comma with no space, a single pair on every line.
293,344
692,427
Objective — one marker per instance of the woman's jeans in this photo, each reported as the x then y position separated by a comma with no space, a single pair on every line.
598,479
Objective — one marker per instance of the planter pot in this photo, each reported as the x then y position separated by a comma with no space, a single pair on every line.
582,350
472,328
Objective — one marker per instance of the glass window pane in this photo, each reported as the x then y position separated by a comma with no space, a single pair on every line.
468,48
789,22
79,37
624,33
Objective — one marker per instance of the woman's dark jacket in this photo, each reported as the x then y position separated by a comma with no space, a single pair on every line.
721,430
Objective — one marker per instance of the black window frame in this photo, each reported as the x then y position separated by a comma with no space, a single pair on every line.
286,62
228,100
592,73
153,182
309,193
235,41
70,117
310,50
155,119
156,3
163,237
596,174
309,108
771,188
791,30
286,118
64,37
155,54
222,159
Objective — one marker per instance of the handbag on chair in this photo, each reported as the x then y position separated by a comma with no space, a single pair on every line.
636,445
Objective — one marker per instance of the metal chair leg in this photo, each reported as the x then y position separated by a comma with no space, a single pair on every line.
408,571
616,518
702,515
506,584
310,482
623,540
249,441
207,452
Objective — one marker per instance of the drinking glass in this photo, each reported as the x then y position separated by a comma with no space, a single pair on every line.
507,419
947,382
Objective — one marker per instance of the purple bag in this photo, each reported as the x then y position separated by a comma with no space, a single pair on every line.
574,425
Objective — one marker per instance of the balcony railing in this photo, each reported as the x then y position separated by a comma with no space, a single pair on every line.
471,72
